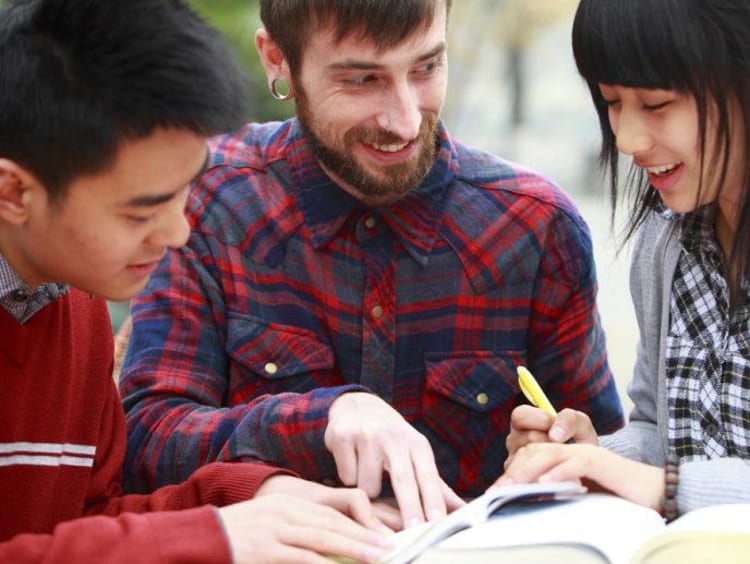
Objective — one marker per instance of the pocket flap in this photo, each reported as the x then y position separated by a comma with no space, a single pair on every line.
478,380
273,350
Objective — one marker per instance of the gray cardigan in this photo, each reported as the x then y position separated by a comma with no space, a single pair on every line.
644,438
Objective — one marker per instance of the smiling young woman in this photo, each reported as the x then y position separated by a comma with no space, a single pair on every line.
670,80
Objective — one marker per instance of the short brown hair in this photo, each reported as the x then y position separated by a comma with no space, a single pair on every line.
386,22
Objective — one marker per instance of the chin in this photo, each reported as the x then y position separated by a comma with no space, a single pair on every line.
122,292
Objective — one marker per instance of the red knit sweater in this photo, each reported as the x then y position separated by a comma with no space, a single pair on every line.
62,444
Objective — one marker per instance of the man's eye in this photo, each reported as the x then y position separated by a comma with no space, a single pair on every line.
360,80
139,218
429,67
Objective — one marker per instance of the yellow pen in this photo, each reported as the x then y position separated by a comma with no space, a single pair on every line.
533,391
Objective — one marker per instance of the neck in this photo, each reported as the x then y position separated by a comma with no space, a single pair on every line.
13,256
727,218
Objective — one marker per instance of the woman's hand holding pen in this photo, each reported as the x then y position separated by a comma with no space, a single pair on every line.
532,425
547,446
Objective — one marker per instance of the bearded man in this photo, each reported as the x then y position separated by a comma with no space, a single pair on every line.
359,286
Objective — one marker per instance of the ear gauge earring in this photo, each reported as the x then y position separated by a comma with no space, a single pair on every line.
278,95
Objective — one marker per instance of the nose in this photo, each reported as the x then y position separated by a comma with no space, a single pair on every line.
174,230
401,113
632,134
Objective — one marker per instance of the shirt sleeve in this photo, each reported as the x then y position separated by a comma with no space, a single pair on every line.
194,535
567,348
217,484
177,377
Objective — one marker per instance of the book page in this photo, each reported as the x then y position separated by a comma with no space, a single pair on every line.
412,541
609,524
717,533
726,518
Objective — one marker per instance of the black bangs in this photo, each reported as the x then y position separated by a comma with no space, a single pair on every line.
636,43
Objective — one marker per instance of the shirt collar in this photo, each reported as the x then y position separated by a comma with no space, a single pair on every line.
11,282
9,279
414,219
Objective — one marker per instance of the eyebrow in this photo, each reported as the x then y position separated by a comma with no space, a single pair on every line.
364,65
156,199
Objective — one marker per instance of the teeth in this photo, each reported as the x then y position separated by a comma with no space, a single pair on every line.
662,169
390,148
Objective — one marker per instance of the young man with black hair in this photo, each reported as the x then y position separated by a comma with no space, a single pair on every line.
359,286
104,112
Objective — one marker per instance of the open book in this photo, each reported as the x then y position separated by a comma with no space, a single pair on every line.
595,529
413,541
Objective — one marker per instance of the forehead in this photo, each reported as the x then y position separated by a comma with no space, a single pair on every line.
161,163
323,50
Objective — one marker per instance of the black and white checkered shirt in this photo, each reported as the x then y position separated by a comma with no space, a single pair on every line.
708,352
21,301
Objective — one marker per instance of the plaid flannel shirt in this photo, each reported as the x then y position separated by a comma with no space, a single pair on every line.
290,292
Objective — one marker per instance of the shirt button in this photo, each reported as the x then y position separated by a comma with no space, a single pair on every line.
271,368
19,295
370,222
377,312
482,398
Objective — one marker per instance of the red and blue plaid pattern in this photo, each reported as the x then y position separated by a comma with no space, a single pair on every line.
290,293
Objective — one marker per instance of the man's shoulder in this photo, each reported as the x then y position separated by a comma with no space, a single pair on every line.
253,146
510,184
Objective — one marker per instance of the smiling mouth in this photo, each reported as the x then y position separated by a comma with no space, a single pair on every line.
146,263
389,148
663,169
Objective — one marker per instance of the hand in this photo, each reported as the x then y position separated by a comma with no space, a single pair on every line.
531,425
352,502
121,345
284,528
549,462
387,512
367,437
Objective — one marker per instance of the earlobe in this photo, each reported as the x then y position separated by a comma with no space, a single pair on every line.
15,192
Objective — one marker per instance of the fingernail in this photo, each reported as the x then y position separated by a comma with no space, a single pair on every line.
414,521
435,514
557,433
545,478
384,530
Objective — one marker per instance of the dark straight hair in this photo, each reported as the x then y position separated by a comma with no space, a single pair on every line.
80,77
696,47
386,22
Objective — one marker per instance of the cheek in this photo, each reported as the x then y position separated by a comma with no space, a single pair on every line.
105,247
614,120
434,96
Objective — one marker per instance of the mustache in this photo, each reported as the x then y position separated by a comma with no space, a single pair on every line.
377,136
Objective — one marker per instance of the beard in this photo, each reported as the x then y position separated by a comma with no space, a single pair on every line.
337,155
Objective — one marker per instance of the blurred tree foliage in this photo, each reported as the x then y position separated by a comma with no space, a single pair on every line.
238,20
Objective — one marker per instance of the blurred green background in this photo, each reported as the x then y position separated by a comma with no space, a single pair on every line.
238,20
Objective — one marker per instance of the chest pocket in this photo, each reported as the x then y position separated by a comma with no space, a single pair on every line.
273,358
468,396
